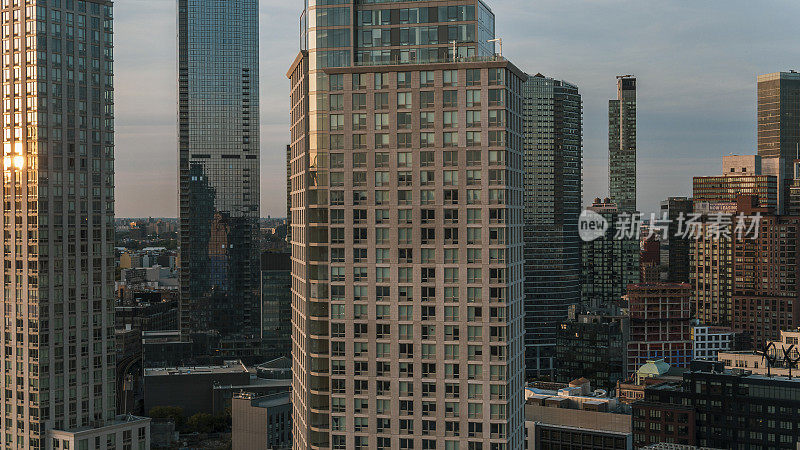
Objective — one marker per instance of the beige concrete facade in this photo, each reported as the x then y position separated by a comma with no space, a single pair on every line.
425,296
757,364
261,423
128,432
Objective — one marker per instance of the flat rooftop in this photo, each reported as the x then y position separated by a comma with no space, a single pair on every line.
231,367
121,419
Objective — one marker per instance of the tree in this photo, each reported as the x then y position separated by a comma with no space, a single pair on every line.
173,413
222,422
201,423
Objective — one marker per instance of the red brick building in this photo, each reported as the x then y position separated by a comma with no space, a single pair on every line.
649,260
660,324
766,271
662,422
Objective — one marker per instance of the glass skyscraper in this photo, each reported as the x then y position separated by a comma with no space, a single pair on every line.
779,124
553,187
218,139
622,145
779,117
406,216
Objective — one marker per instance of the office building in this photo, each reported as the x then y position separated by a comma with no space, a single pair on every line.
552,114
660,322
622,145
576,417
766,271
610,263
793,199
218,146
718,193
779,118
675,248
261,422
592,345
750,175
717,408
276,305
58,221
407,264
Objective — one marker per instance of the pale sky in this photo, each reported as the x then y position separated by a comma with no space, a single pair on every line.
696,64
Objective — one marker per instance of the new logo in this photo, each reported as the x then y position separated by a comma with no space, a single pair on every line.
591,225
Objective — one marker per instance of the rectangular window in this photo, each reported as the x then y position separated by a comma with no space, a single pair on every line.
450,99
496,97
450,139
404,139
427,140
381,100
336,102
474,140
359,121
404,159
450,77
381,80
381,140
473,97
337,122
359,159
473,118
403,100
426,78
427,119
450,119
427,158
426,99
359,101
359,80
473,77
403,79
403,120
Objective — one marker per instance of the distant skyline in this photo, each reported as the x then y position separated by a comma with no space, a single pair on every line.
696,65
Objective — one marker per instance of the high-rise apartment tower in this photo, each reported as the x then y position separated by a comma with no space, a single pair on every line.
218,143
553,151
58,224
406,215
610,263
622,145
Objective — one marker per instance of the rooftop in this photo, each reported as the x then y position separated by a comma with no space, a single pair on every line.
791,75
654,368
266,401
121,419
228,367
